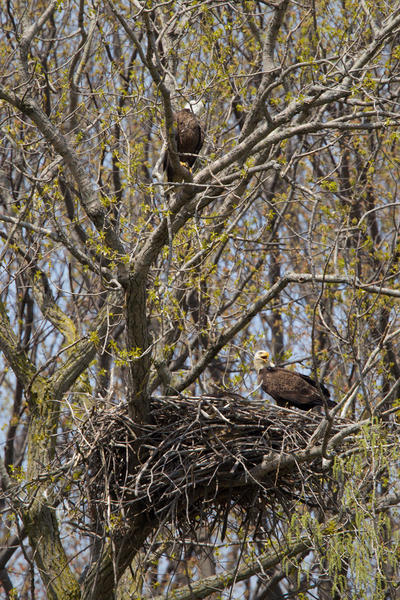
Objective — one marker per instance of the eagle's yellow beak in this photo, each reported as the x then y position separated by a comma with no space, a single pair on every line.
261,358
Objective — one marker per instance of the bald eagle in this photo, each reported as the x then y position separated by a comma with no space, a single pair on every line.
189,138
289,388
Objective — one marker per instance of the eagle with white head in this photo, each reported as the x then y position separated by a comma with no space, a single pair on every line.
189,138
289,388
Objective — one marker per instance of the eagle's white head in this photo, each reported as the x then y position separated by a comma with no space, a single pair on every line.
261,360
197,107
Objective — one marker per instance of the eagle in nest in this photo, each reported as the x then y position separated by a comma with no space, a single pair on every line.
189,138
289,388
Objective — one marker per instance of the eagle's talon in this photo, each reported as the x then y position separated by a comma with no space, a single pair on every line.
185,166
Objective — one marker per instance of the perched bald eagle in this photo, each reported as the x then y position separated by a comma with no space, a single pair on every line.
189,139
289,388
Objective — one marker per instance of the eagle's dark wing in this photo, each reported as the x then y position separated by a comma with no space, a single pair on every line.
190,136
289,388
314,383
200,142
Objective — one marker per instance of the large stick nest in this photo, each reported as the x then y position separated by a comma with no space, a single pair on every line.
200,457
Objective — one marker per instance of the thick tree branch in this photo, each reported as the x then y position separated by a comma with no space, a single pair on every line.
102,576
269,70
89,196
17,358
320,97
85,349
265,299
152,61
217,583
32,30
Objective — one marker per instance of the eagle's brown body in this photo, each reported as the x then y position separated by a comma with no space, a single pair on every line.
289,388
189,139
